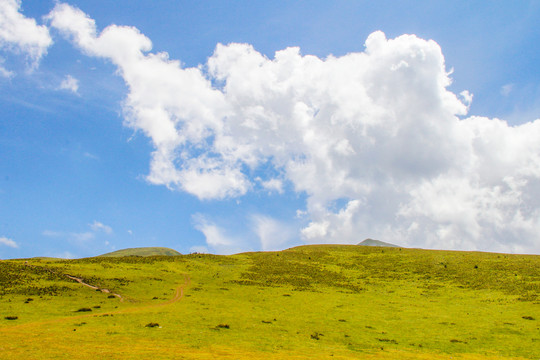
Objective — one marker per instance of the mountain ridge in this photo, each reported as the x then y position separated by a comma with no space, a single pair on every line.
142,251
373,242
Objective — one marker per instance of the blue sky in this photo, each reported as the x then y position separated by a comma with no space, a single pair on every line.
105,144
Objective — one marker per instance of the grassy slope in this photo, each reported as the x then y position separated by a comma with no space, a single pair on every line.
306,302
143,251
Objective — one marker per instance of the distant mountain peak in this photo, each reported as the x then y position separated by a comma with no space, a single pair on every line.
143,251
372,242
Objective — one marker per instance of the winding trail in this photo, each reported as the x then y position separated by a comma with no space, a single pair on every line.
178,295
106,291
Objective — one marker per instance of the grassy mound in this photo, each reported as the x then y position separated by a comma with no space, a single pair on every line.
143,251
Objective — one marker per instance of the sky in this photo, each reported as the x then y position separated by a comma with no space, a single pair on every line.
232,126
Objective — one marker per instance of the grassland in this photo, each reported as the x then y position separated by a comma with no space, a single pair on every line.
324,302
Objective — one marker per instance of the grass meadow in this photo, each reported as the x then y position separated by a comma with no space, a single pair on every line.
324,302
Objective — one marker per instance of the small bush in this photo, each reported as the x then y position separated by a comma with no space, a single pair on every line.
11,317
223,326
527,317
391,341
84,309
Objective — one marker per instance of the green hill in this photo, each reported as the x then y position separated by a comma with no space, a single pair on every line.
309,302
371,242
143,251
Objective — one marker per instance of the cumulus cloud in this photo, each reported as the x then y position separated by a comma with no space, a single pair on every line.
374,139
70,83
20,34
8,242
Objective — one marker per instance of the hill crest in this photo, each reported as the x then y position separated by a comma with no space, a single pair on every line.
142,251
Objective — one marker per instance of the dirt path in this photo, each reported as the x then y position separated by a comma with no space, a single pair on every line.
106,291
178,295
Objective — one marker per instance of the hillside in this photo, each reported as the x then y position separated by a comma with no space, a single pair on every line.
319,301
371,242
143,251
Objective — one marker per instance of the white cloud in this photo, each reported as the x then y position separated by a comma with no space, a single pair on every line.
8,242
272,234
507,89
20,34
96,226
168,103
70,83
467,98
272,185
5,72
90,156
373,138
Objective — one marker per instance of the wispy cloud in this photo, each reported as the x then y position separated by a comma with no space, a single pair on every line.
272,185
507,89
217,239
19,34
90,156
80,237
70,83
8,242
97,226
272,234
5,72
